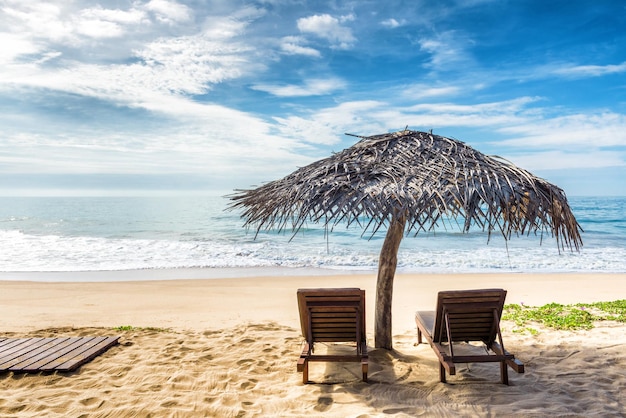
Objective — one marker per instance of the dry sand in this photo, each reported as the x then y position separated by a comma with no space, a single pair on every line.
228,348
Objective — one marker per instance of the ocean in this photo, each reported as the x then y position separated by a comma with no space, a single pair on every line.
70,234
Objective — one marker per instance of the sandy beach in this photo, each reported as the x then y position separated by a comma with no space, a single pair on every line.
228,348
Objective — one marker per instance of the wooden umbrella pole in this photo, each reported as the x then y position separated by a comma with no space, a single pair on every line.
384,286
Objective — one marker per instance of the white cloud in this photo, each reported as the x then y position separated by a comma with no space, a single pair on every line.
14,46
230,26
106,23
169,11
99,29
492,114
575,131
537,141
422,91
181,149
580,71
47,56
292,45
193,138
132,16
294,49
151,72
38,19
327,126
327,27
501,107
186,65
565,160
312,87
446,49
60,24
307,130
393,23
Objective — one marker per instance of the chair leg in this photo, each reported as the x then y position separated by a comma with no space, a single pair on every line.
419,336
305,372
303,362
504,373
364,370
442,373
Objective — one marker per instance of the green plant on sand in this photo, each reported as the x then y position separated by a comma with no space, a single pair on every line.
564,317
132,328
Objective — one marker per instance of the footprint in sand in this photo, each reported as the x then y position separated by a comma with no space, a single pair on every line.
244,361
323,404
16,409
169,404
394,411
250,384
91,402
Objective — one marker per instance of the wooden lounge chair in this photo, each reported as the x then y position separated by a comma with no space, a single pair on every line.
332,315
466,315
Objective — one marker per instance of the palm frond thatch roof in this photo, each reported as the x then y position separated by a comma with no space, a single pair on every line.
418,176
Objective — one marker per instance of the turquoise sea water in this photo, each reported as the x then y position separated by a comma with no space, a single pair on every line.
126,233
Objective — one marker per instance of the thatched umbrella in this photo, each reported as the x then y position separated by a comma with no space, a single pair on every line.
410,182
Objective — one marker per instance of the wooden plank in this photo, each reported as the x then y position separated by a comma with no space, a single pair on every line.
21,350
51,354
334,330
337,337
41,346
336,358
332,313
81,356
333,308
66,354
333,323
10,344
4,342
45,354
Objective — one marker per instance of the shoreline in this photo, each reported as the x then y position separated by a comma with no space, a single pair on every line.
187,273
211,273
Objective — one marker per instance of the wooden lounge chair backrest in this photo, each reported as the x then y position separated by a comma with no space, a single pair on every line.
332,315
473,315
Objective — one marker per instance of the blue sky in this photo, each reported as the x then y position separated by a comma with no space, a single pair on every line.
151,96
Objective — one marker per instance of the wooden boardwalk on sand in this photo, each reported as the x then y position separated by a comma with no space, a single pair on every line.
63,354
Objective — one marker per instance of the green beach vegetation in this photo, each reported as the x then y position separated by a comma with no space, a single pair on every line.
132,328
564,317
